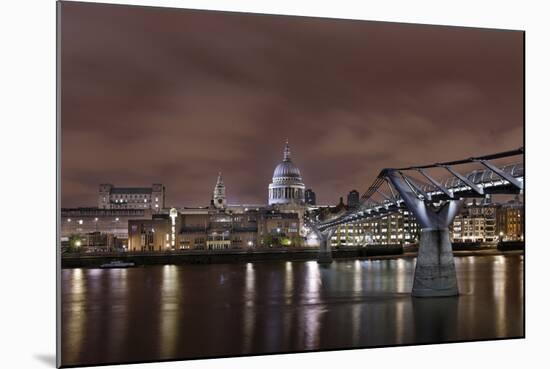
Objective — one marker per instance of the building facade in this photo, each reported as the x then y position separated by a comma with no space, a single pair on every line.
111,197
220,226
397,228
218,197
153,234
475,223
353,199
309,197
83,227
510,221
212,229
109,221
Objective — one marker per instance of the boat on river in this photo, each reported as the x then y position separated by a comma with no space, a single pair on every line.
118,264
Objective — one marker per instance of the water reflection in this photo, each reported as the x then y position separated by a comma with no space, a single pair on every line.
118,286
186,311
313,282
289,282
249,312
170,314
435,319
74,322
357,277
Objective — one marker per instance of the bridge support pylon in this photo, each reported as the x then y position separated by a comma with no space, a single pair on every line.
435,273
325,252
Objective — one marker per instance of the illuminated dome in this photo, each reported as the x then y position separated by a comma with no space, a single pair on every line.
286,169
286,186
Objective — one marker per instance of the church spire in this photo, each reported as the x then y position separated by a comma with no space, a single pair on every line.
219,193
287,151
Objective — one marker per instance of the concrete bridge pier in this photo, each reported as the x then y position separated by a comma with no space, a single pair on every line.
435,273
325,252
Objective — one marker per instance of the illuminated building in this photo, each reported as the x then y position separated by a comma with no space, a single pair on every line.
275,228
151,234
139,217
111,197
210,229
90,222
510,221
397,228
286,187
218,197
220,226
475,223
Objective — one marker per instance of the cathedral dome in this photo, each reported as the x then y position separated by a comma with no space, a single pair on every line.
287,186
286,170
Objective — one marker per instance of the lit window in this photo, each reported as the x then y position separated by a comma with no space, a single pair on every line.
80,221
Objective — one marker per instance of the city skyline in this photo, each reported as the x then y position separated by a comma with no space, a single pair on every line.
149,104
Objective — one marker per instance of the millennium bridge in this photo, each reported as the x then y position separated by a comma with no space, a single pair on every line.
434,203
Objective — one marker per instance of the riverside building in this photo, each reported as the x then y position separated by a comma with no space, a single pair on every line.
398,228
151,198
223,226
475,223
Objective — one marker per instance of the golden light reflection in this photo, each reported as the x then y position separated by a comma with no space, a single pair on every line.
289,283
500,294
169,311
249,310
77,286
313,281
76,315
312,326
250,279
313,313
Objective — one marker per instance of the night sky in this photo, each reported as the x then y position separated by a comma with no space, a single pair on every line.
152,95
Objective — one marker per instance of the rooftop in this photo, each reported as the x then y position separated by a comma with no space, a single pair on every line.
131,190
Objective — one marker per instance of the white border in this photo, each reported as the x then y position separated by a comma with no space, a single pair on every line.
28,157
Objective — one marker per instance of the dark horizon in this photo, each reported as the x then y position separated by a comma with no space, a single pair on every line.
173,96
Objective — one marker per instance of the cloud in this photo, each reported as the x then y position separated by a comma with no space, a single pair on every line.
174,96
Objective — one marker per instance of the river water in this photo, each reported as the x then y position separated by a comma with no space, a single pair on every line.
187,311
